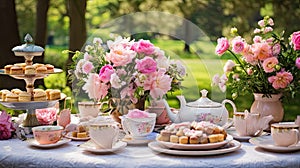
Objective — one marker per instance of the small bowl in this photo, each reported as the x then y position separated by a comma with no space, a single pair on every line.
49,134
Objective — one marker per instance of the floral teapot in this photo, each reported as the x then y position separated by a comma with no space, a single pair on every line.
202,109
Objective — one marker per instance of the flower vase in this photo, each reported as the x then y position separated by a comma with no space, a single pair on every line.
121,106
265,106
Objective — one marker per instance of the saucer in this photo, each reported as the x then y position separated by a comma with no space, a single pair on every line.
90,146
69,136
267,143
238,137
33,142
131,141
230,147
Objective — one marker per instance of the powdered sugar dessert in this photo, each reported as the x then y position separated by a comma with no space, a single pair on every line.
136,113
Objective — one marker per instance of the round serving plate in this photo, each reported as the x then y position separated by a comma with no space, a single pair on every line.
36,76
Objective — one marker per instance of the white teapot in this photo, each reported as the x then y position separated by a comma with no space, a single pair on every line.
202,109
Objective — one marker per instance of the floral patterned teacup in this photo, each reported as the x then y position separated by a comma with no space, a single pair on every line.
49,134
138,128
285,134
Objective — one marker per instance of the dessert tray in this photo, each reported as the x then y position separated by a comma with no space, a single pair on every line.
90,146
196,146
33,142
69,136
267,143
229,147
131,141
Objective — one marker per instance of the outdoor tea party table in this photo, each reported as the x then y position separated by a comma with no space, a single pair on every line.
17,153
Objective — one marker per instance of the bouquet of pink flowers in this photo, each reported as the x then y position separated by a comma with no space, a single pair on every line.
270,65
125,69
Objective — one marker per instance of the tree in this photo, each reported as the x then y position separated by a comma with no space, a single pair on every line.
77,32
9,35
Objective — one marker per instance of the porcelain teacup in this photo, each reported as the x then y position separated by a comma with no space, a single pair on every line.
89,109
104,135
138,128
48,134
250,124
285,134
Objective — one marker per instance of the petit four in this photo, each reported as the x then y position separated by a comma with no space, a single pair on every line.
24,97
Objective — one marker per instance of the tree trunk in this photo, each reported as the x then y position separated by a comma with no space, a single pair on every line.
77,31
9,35
187,36
41,31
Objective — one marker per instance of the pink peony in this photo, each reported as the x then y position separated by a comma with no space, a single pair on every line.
269,64
276,49
262,51
146,65
105,73
87,67
298,62
46,116
6,126
120,56
158,83
136,113
222,47
296,40
228,66
249,56
95,88
281,80
238,45
144,46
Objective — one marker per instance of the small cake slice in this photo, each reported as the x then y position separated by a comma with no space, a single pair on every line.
183,140
54,94
24,97
50,68
81,135
40,96
194,139
16,91
7,68
29,70
16,70
11,97
41,69
4,92
174,139
203,139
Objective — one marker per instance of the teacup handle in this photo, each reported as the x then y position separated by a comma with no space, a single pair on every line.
297,137
124,125
231,103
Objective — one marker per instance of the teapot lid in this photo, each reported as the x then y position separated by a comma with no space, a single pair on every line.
28,46
204,102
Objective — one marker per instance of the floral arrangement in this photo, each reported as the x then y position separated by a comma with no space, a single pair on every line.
6,126
125,69
268,65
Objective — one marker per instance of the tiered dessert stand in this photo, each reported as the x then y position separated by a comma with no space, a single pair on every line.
29,51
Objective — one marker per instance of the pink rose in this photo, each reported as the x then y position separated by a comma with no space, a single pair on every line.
238,45
269,64
46,116
105,73
6,126
120,56
262,51
144,46
136,113
228,66
146,65
281,80
296,40
222,46
261,23
87,67
298,62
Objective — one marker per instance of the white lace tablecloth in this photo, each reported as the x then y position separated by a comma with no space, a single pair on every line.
17,153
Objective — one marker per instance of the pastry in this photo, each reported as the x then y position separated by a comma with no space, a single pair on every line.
48,93
7,68
81,135
29,70
16,70
74,134
54,94
24,97
4,92
50,68
11,97
16,91
203,139
194,139
174,139
165,135
41,69
40,96
213,138
36,65
183,140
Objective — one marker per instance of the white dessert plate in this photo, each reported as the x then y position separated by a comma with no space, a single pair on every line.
267,143
236,136
33,142
229,147
197,146
131,141
90,146
69,136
